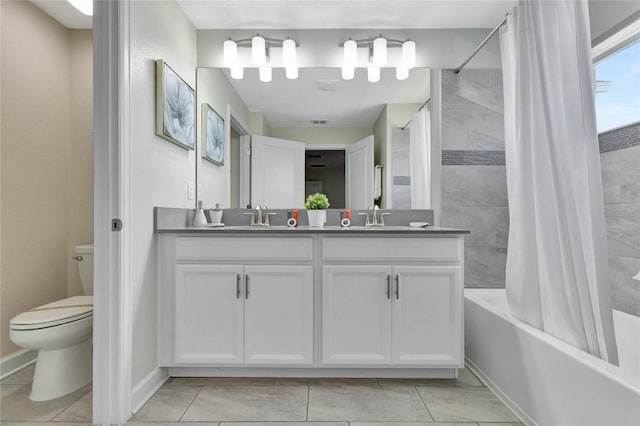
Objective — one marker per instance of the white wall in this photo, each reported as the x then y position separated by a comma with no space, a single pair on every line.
441,48
160,169
215,89
322,135
46,192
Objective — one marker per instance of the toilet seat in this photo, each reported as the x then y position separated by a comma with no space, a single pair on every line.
54,314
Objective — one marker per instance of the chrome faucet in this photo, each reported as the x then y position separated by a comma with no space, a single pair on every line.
376,220
262,220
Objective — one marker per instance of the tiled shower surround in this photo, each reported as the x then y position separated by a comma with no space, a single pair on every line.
620,159
474,183
474,193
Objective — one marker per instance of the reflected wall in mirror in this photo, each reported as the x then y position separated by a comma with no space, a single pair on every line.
318,133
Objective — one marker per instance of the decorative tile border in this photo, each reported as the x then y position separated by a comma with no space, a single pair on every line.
402,180
620,138
472,158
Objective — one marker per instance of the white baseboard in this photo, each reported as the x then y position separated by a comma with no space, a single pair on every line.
524,418
147,387
16,361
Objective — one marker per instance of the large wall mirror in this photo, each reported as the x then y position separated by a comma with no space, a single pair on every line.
273,143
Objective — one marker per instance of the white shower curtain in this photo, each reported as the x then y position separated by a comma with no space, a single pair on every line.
420,159
557,275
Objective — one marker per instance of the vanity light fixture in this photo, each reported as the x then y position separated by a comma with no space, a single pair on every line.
260,56
378,56
266,73
230,54
258,50
409,54
350,59
402,73
373,74
84,6
237,72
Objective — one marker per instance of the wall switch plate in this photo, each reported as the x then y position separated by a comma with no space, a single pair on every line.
191,191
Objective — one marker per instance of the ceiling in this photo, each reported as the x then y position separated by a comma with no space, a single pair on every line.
318,14
353,103
63,12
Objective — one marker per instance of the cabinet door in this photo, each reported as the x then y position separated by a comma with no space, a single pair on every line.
356,315
278,315
427,315
208,309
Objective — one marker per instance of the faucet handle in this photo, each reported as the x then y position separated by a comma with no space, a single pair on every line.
253,218
366,218
266,220
382,215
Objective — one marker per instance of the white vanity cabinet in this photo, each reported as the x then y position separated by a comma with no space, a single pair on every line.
278,314
221,313
311,303
396,307
208,324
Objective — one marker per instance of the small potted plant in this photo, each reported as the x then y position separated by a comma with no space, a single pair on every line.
316,206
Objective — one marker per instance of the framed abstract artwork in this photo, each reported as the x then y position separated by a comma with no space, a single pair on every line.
175,107
212,135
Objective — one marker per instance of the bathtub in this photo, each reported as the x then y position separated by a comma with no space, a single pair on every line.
546,381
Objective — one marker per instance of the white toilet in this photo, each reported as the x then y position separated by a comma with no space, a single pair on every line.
62,334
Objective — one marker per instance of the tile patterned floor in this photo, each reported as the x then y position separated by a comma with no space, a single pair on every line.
275,402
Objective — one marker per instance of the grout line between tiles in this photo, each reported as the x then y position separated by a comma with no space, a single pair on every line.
189,406
70,404
308,400
433,419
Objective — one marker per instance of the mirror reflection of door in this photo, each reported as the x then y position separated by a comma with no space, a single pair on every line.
346,175
234,152
277,172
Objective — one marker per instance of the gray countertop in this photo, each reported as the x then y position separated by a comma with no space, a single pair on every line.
177,220
430,230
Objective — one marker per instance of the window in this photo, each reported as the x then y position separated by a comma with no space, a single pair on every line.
618,89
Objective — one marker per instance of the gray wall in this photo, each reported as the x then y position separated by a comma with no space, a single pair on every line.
474,187
620,158
400,168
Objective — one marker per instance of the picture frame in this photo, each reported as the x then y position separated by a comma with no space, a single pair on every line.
213,135
175,107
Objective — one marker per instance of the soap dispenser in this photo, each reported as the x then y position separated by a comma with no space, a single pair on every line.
199,220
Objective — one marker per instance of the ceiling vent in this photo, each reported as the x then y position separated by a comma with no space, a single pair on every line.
319,121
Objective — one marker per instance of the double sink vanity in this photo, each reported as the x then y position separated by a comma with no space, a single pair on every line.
329,302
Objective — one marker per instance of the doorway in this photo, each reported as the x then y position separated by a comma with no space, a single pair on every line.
325,173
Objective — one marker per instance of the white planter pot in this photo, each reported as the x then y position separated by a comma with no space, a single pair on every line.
317,218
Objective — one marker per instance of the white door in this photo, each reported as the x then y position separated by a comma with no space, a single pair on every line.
426,312
277,172
356,315
208,309
278,315
359,174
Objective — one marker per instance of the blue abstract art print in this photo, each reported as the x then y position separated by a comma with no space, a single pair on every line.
175,107
212,135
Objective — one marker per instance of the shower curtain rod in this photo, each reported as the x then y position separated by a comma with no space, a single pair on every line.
483,42
419,109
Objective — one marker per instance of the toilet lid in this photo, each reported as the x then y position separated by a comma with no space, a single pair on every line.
56,313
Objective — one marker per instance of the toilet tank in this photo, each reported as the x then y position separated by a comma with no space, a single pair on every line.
85,267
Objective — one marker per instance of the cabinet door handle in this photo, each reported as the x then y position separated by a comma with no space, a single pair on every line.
397,286
388,286
246,286
238,286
